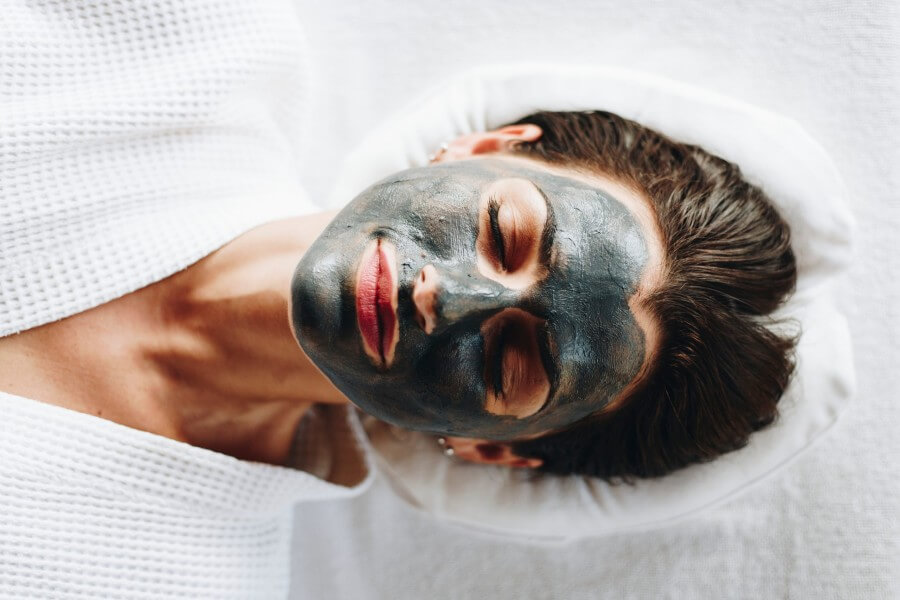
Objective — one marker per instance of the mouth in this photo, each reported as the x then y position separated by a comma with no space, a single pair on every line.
376,302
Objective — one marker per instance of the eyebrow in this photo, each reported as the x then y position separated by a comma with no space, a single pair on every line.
548,234
550,361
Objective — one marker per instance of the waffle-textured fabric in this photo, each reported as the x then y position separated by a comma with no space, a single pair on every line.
137,137
93,509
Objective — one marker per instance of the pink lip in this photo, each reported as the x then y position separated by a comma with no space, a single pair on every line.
376,302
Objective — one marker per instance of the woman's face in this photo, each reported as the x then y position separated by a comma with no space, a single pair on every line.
484,298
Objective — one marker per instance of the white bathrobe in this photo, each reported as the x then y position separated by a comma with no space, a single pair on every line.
135,138
93,509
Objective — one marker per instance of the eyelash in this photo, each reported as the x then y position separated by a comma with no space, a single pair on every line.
496,232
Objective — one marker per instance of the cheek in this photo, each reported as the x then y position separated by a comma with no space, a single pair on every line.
450,240
446,219
450,369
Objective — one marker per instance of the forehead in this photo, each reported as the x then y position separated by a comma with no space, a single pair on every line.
641,208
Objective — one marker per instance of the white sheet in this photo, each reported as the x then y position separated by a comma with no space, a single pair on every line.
825,527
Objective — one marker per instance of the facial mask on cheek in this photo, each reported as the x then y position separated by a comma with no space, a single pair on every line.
436,382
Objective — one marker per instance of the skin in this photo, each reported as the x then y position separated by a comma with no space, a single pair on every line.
208,356
205,356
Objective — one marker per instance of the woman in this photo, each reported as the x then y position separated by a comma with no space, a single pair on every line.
575,293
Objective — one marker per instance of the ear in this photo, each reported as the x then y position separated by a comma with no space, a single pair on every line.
490,453
487,142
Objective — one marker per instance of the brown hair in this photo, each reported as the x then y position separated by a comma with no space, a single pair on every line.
719,371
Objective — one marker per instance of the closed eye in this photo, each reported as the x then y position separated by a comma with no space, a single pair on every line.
515,232
515,377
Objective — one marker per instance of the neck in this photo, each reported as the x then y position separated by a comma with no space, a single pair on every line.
238,381
205,356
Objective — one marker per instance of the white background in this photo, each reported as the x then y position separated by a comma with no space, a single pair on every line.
828,525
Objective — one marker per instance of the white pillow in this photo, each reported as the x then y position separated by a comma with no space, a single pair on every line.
772,151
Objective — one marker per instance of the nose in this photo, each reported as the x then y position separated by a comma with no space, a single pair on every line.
444,298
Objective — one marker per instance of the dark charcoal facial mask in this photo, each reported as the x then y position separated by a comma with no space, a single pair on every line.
436,383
